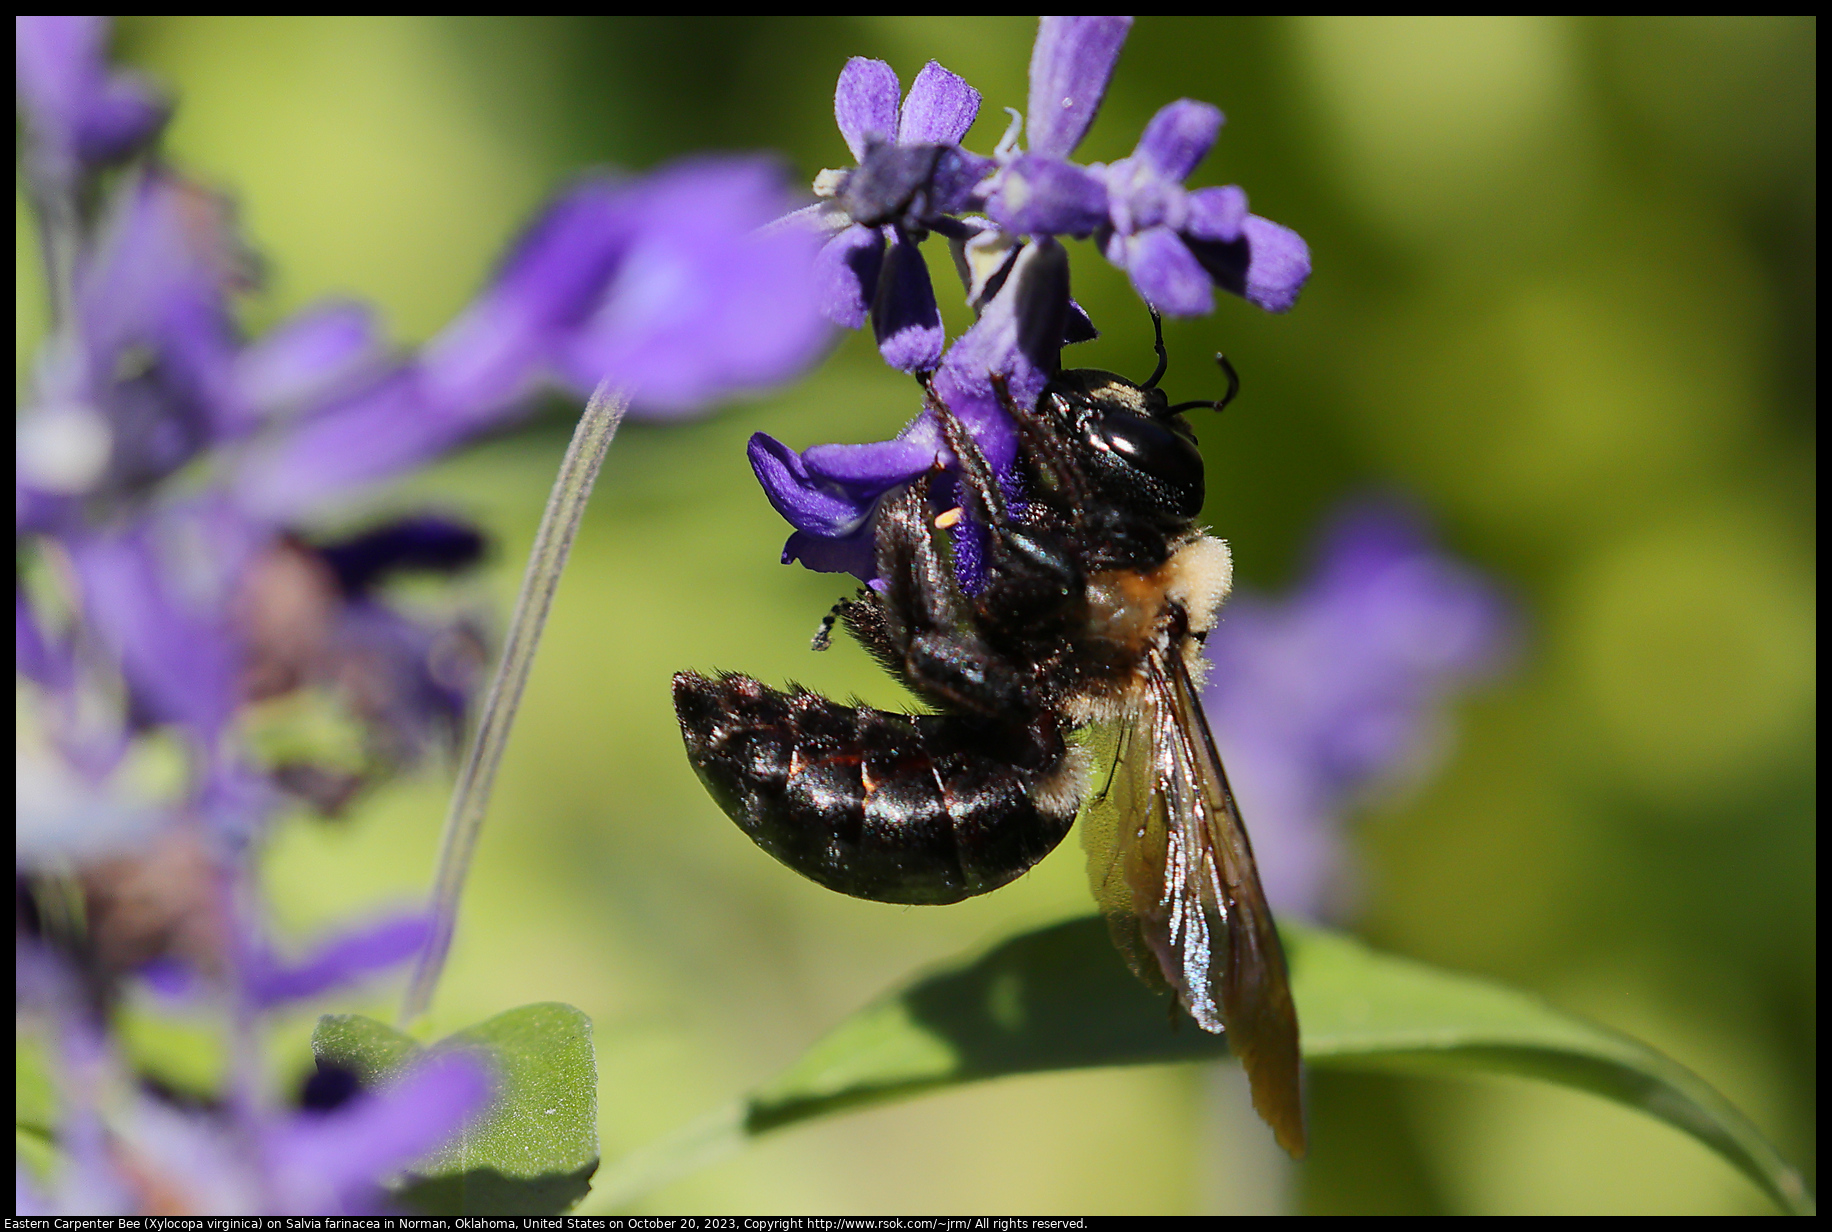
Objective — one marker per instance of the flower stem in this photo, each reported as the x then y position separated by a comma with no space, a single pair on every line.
572,487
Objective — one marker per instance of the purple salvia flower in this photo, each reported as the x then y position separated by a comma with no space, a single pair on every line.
830,492
1321,698
705,304
1175,243
80,114
911,175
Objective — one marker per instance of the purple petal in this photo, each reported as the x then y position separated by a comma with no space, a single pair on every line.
157,284
126,113
163,242
666,286
1166,275
1179,137
856,554
865,104
708,301
1139,198
320,1160
877,467
906,318
173,642
56,60
172,979
342,961
846,275
1071,63
550,282
383,430
830,493
1279,264
1430,611
941,107
1267,266
1215,213
1036,195
309,358
805,500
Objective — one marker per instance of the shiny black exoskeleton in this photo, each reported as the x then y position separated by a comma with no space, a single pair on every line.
940,807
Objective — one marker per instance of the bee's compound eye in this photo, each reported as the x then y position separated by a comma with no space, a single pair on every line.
1168,460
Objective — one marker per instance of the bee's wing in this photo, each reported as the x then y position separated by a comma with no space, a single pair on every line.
1124,833
1174,874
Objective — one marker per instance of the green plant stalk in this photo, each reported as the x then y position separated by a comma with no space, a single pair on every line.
572,488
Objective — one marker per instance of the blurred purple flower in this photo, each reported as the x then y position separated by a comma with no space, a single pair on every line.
156,595
670,287
80,114
1320,699
140,379
830,492
911,177
345,959
1173,242
145,1157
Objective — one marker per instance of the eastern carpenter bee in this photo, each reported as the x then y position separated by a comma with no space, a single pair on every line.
1081,645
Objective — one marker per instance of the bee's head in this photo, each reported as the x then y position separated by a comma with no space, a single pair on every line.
1129,439
1128,442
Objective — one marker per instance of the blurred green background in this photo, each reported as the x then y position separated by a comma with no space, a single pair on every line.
1564,296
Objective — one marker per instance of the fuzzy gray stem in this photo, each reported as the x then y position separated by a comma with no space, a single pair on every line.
572,487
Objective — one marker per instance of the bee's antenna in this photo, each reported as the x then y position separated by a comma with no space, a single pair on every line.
1221,404
1157,344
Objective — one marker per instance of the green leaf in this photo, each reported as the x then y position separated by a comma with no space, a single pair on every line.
1060,998
535,1150
374,1051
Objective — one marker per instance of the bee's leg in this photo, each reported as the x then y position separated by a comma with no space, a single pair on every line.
823,636
926,630
981,495
867,619
919,588
1033,570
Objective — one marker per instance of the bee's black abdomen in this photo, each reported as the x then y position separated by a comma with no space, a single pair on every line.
894,808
